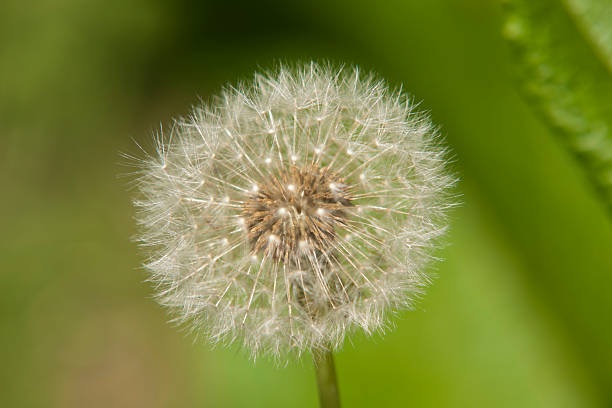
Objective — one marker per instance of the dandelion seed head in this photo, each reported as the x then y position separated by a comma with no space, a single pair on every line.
304,206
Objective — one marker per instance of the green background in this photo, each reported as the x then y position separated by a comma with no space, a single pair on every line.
518,316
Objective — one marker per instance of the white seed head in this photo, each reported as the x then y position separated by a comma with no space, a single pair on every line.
292,255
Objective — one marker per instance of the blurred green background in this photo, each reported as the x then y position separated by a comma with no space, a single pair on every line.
519,315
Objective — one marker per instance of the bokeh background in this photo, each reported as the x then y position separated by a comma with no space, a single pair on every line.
519,315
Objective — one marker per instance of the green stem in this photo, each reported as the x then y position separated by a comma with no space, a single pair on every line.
326,379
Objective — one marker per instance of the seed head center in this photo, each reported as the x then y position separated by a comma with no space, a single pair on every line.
296,212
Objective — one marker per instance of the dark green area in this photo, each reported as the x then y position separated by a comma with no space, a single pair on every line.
519,315
564,75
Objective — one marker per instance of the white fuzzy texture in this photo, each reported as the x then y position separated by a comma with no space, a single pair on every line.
194,187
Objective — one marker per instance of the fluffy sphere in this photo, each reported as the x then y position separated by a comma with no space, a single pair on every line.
299,207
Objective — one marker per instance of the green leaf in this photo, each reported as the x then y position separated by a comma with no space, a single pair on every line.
594,19
564,55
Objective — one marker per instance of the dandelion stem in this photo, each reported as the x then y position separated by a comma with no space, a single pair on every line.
327,382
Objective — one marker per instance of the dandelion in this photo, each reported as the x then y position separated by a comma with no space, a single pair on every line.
299,208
